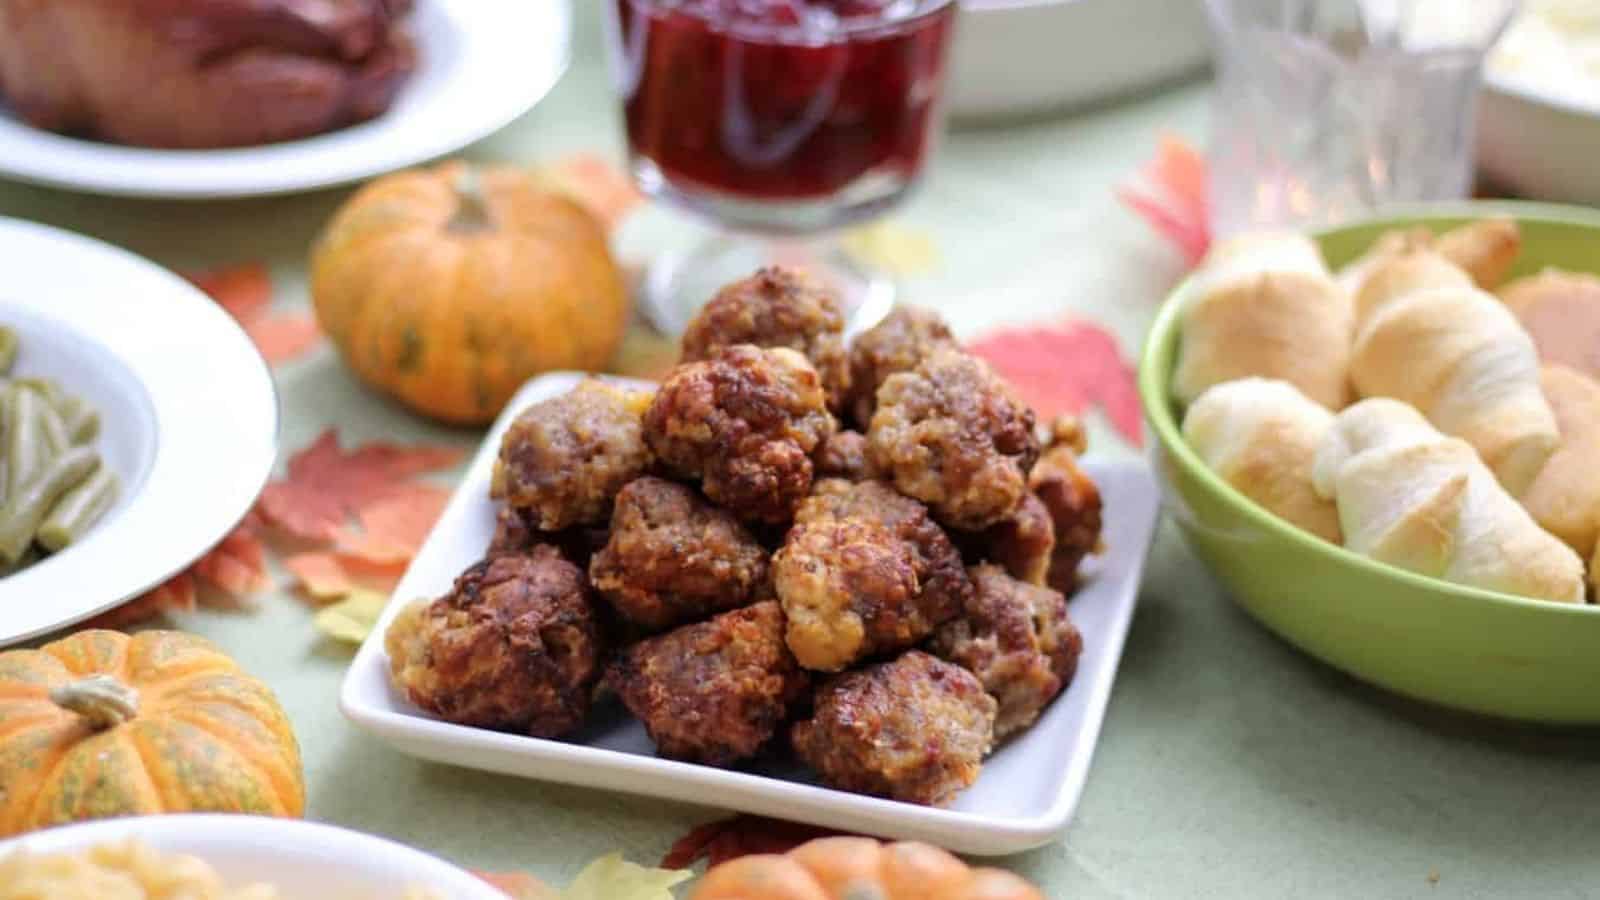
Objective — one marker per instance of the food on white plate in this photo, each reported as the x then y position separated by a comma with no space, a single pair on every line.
755,571
1561,311
852,868
1485,249
1565,498
899,343
1413,497
195,74
1265,305
1428,336
1261,437
1554,47
54,486
130,870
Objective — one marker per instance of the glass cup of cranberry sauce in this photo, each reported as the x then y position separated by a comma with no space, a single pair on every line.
781,117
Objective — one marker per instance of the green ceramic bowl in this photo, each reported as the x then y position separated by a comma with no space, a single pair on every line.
1456,646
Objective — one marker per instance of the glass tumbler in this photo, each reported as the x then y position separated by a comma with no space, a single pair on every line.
777,122
1328,109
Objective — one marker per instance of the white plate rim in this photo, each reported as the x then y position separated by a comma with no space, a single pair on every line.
584,765
192,833
163,330
340,157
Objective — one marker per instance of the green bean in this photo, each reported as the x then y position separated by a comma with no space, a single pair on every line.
28,506
27,441
55,431
44,387
81,420
10,343
77,510
28,558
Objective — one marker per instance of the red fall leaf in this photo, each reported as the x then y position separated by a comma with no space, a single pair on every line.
742,835
1066,368
245,291
1172,196
327,485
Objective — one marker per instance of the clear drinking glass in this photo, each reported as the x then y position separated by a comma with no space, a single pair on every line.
1327,109
778,121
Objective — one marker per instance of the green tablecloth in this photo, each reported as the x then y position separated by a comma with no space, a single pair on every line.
1230,764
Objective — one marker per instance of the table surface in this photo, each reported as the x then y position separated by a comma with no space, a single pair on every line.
1230,765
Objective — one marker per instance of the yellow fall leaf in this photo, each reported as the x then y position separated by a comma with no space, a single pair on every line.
613,878
894,248
352,618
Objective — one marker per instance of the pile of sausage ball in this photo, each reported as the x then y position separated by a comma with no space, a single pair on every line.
858,553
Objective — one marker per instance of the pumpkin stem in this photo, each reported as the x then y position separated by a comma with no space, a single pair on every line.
472,210
101,699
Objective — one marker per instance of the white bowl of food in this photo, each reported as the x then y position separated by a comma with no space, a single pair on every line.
1539,119
228,854
1013,57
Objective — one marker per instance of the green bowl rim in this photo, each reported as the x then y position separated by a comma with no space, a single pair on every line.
1158,407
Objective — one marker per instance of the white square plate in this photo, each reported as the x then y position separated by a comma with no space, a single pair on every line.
1024,798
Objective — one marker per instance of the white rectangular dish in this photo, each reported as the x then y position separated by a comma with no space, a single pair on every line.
1024,798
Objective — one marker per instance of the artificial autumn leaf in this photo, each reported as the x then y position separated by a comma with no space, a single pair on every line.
1173,197
320,575
613,878
326,485
892,247
352,618
176,593
741,835
237,565
283,336
1066,368
519,885
244,290
394,527
594,182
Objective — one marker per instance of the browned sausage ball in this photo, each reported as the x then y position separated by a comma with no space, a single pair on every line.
513,534
513,646
564,459
897,344
745,422
844,455
1073,501
952,434
673,557
714,692
776,307
1022,543
864,571
1018,640
915,729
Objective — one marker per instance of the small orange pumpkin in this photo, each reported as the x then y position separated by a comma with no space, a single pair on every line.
852,868
103,724
449,287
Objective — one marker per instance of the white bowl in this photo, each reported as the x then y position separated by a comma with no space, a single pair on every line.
301,859
1539,144
1012,57
1025,796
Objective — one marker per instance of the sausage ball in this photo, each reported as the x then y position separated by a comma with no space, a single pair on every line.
915,729
952,434
1073,501
745,422
844,455
513,534
1018,640
714,692
897,344
564,459
1022,543
514,646
776,307
672,557
864,571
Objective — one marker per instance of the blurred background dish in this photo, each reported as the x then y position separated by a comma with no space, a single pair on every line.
300,859
479,66
1539,117
1015,57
